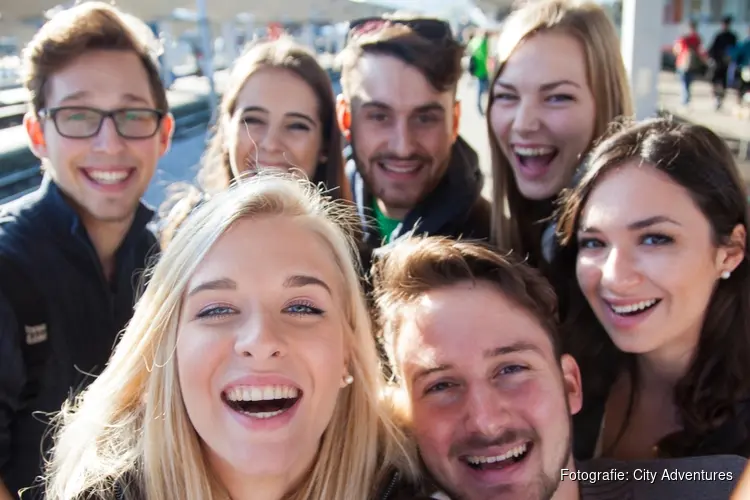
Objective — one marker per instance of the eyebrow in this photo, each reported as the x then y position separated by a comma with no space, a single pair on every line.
81,94
488,354
293,114
639,224
545,87
300,280
424,108
218,284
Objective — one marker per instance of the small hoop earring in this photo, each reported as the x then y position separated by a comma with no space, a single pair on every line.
725,275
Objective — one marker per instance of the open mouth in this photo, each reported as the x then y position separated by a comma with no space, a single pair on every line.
536,160
108,177
498,462
634,309
262,402
401,168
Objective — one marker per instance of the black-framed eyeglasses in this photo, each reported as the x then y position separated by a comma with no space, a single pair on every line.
81,122
432,29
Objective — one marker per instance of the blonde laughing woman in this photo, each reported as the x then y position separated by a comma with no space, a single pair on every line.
248,370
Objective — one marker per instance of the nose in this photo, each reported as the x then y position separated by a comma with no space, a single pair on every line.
260,337
527,117
401,139
487,412
108,140
619,270
272,140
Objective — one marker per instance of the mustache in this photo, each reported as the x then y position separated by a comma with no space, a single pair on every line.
385,157
477,441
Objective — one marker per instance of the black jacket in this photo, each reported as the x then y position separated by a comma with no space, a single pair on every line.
43,236
455,208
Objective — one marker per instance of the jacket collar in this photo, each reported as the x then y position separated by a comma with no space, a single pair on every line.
451,199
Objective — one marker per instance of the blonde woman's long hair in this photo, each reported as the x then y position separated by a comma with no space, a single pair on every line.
588,23
131,425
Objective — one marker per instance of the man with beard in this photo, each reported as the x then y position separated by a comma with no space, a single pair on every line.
488,395
71,252
409,170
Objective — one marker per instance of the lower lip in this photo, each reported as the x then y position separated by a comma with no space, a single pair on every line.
264,424
399,176
533,172
116,187
499,476
627,322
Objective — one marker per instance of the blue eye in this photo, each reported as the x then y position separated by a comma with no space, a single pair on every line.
511,369
439,387
589,243
215,312
656,239
304,309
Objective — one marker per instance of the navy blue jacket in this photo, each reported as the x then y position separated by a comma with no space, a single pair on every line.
43,235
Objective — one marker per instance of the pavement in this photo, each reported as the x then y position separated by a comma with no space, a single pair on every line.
726,122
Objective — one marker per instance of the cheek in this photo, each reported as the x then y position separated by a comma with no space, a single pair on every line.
574,126
432,428
241,147
587,274
500,123
306,154
199,355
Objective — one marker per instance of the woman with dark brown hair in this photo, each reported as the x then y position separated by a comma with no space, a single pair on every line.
653,245
278,111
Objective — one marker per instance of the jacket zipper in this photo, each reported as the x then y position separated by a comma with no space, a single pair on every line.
389,490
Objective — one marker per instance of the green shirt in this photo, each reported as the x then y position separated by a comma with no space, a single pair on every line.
386,225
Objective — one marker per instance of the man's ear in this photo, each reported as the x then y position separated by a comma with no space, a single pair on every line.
35,133
344,116
456,120
166,130
572,383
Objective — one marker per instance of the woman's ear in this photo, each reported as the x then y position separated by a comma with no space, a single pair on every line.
732,254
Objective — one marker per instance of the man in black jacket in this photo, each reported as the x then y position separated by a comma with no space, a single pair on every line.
409,170
71,253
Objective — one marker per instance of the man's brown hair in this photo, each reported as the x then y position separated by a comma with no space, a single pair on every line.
419,265
88,26
438,61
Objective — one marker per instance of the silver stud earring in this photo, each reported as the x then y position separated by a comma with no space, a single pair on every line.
725,275
348,380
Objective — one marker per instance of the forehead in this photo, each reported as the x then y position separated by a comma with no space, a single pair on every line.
389,80
266,250
546,57
636,191
458,324
277,90
101,78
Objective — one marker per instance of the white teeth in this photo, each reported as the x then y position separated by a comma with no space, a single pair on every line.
540,151
515,452
264,414
108,176
400,170
630,308
265,393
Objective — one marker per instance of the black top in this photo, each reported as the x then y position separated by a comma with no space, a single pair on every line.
730,438
44,236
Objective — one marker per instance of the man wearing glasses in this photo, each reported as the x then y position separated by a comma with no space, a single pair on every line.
70,252
409,170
